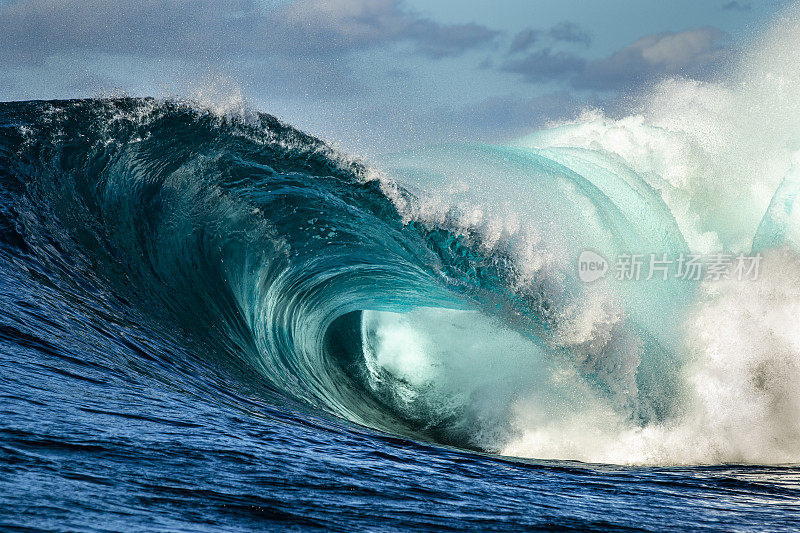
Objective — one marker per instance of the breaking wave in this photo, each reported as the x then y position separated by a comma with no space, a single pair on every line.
435,293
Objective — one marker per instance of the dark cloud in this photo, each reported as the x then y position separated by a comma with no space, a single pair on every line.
319,26
31,30
566,32
524,40
545,66
438,41
733,5
694,53
569,32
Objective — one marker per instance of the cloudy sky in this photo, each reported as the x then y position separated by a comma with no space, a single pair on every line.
375,75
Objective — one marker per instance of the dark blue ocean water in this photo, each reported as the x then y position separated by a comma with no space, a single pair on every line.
180,348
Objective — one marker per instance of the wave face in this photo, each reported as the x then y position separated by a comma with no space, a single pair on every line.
336,290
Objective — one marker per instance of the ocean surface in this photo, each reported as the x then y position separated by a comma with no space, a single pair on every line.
211,321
